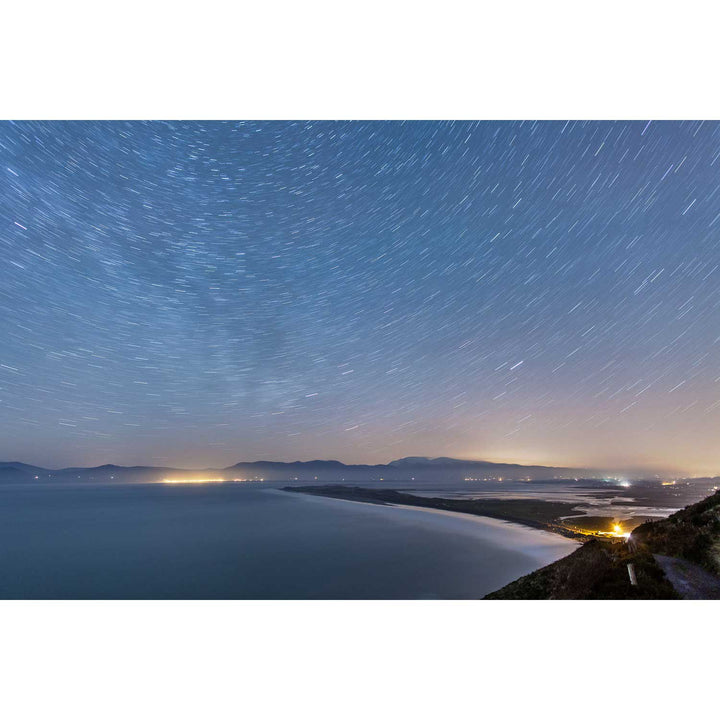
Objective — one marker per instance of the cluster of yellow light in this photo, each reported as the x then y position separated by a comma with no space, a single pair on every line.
192,481
196,481
617,531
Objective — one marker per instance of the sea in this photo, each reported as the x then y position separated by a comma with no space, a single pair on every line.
235,541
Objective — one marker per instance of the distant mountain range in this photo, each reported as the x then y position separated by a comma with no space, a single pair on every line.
404,469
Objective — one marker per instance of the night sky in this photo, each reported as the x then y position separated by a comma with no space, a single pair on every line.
196,294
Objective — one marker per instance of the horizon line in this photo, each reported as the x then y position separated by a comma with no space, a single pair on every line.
640,468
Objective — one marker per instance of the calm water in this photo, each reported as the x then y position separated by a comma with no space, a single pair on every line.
231,541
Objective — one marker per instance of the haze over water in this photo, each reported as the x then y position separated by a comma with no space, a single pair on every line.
208,542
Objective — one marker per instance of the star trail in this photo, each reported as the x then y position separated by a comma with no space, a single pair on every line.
200,293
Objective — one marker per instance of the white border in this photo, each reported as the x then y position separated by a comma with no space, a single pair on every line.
380,59
422,659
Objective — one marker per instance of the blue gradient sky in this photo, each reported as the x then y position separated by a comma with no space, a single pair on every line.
202,293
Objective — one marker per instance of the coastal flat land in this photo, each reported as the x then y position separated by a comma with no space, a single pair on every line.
541,514
601,524
562,515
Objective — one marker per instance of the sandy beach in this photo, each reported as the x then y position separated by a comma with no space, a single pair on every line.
540,546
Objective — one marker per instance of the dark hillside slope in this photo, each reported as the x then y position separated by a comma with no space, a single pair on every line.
692,534
595,571
599,569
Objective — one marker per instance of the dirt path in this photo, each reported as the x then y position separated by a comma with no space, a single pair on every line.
690,580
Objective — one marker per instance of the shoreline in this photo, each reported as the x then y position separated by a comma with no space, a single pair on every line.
538,546
533,514
485,519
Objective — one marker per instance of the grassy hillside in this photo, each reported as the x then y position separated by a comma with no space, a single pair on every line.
692,534
599,569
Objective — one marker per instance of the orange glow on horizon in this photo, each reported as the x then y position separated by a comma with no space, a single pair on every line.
202,481
189,481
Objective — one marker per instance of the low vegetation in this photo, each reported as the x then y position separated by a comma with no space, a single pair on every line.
599,568
692,534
